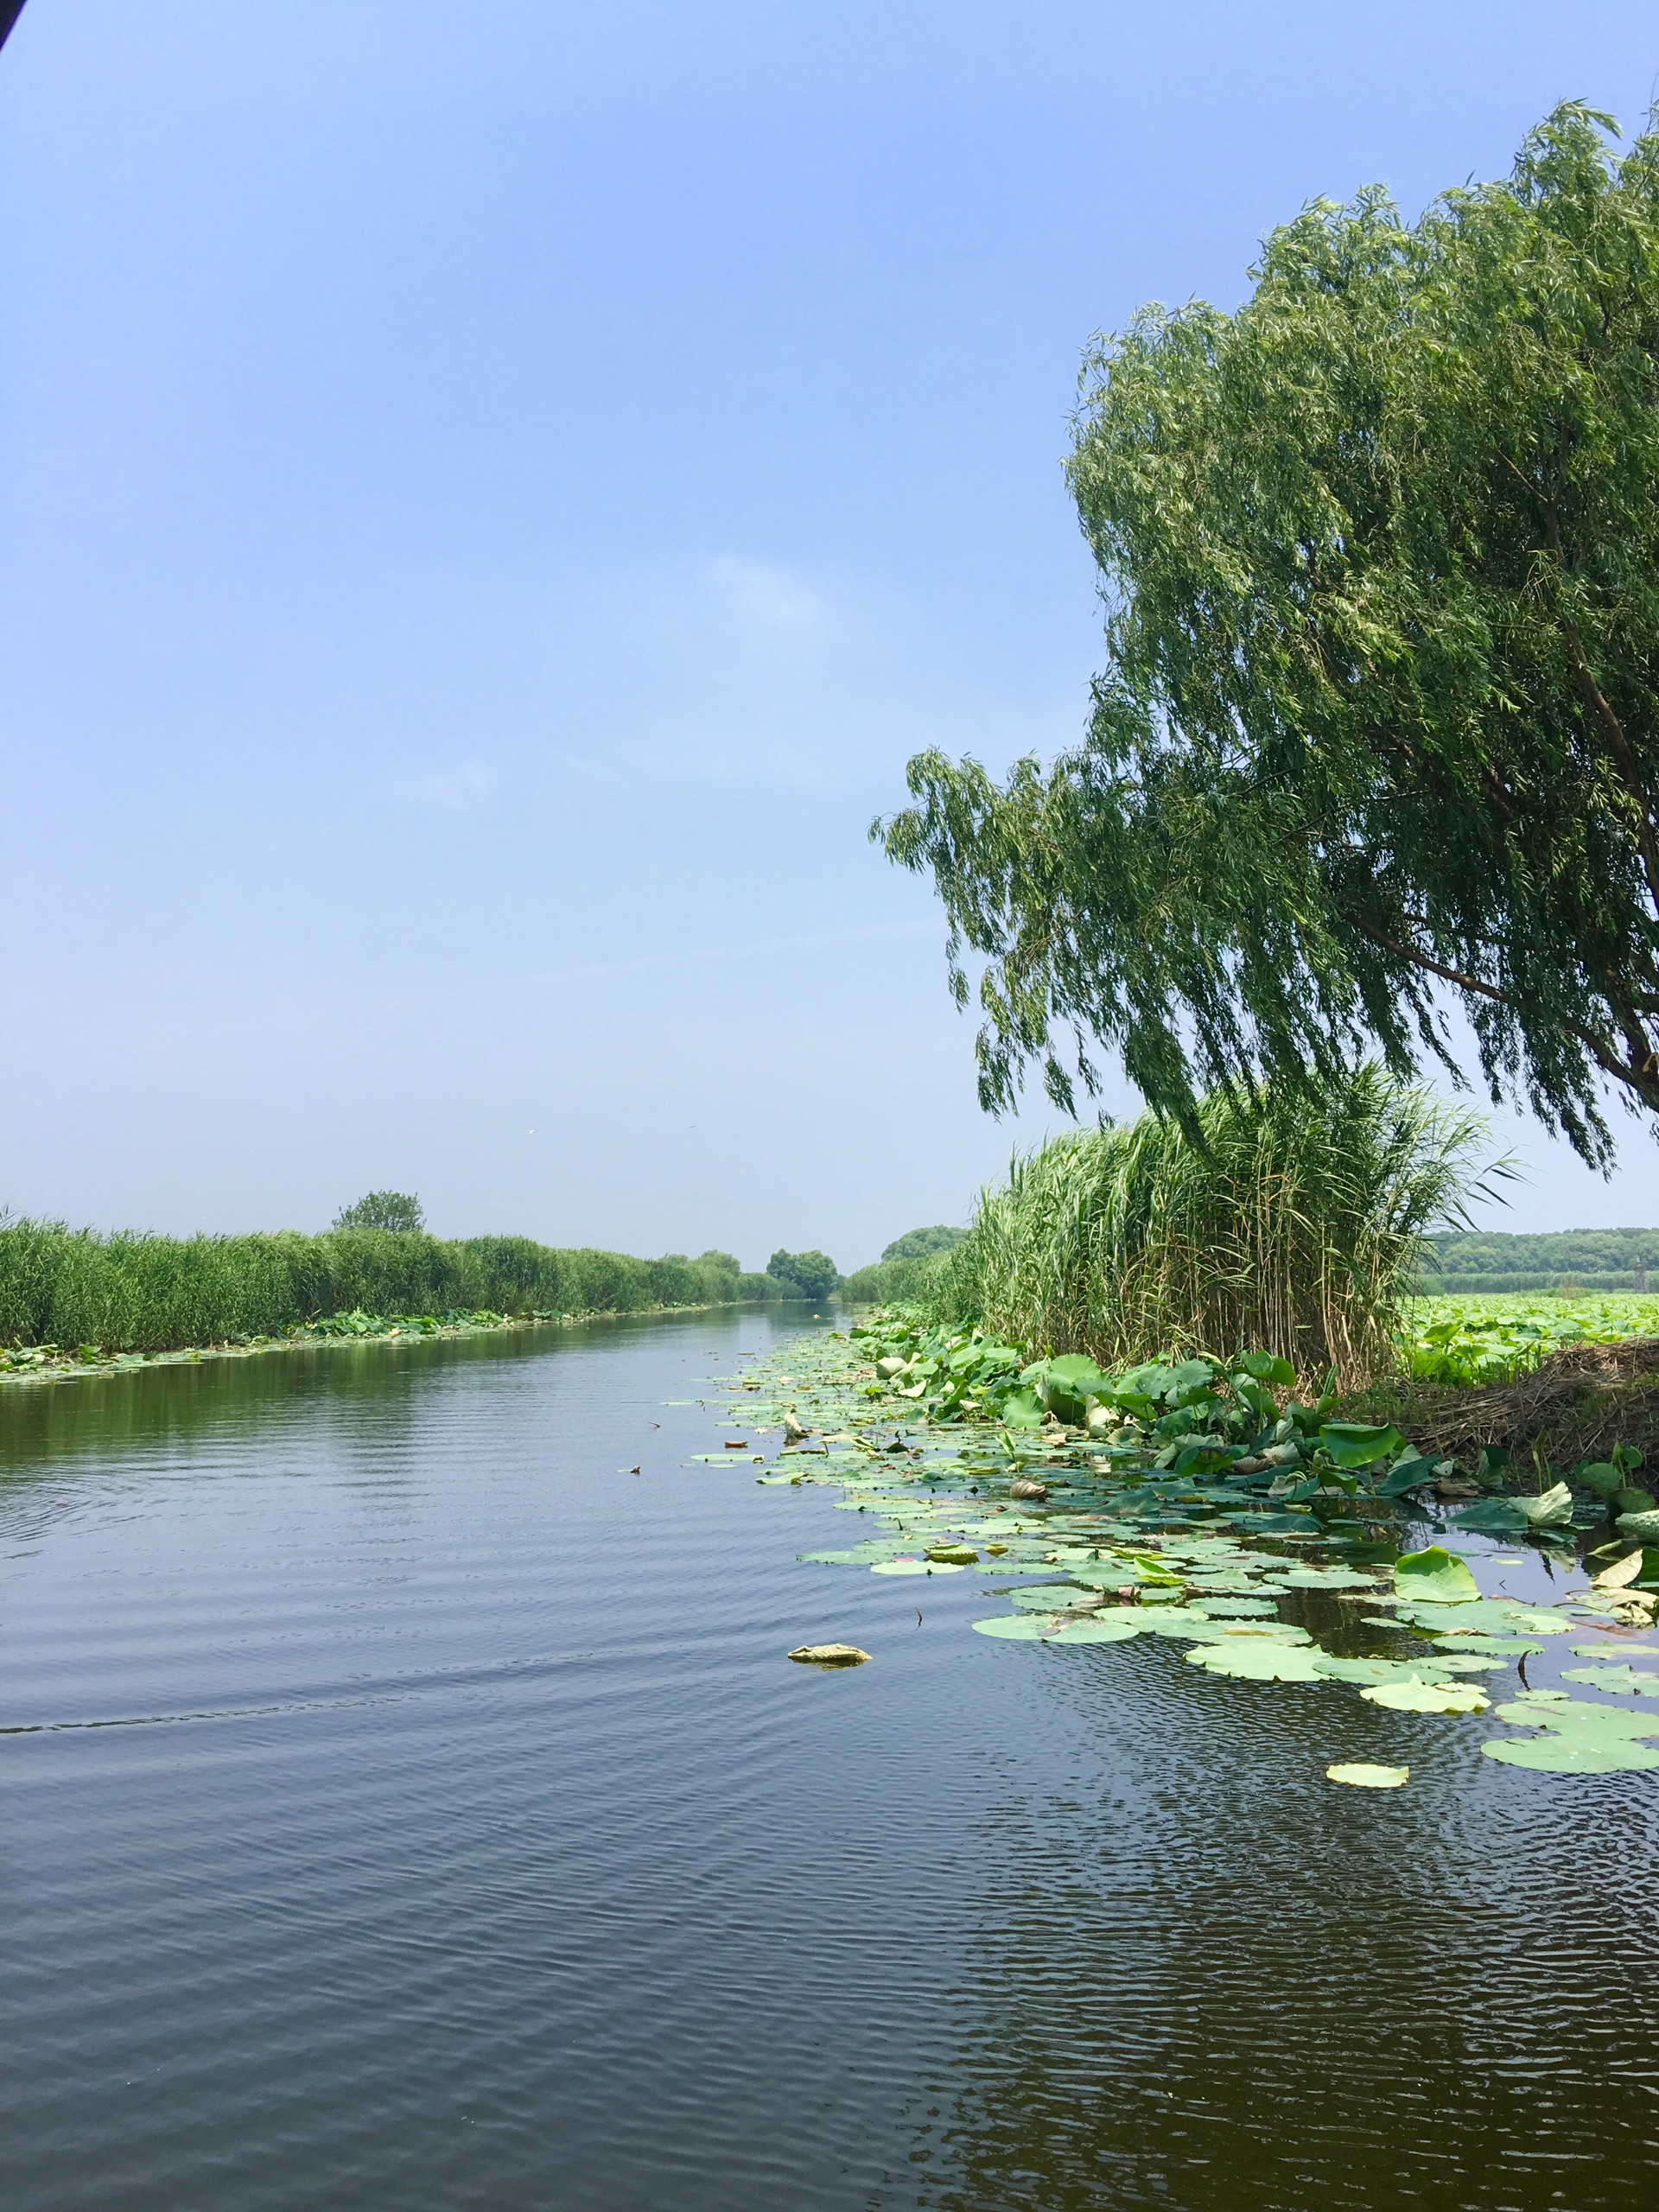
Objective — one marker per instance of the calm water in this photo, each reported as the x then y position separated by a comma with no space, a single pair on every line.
409,1809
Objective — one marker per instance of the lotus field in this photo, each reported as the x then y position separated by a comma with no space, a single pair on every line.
1490,1338
1203,1504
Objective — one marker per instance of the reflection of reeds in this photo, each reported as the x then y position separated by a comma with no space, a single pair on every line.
1296,1228
130,1292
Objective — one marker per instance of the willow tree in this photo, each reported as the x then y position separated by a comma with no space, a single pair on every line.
1378,731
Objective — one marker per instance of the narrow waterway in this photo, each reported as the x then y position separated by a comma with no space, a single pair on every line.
407,1806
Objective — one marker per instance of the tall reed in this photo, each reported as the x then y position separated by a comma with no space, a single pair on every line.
136,1293
1295,1227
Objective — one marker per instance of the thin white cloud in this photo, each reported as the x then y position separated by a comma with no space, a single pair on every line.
461,788
768,597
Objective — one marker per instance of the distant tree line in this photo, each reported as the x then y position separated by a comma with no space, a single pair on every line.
1601,1259
132,1292
904,1268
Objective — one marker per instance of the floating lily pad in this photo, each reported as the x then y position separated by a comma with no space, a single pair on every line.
1118,1574
1496,1615
1275,1524
1471,1640
1338,1670
1428,1697
1571,1754
1434,1576
1017,1628
953,1555
1327,1577
1613,1678
911,1567
1183,1625
1265,1660
1575,1716
1361,1776
1098,1627
1236,1608
1055,1598
1609,1647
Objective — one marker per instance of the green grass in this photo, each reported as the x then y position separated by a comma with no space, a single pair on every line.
139,1293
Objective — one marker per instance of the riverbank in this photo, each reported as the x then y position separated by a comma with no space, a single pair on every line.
78,1295
48,1364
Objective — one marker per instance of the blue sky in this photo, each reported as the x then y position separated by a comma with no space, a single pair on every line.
490,497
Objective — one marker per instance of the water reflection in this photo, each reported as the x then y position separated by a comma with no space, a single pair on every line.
1209,1979
472,1842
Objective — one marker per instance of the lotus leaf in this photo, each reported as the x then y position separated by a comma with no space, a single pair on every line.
1262,1661
1435,1574
1428,1697
1614,1678
1552,1510
1115,1574
1053,1598
1498,1616
1645,1525
1235,1608
1457,1640
1098,1627
1375,1670
1274,1632
952,1554
1606,1649
911,1567
1354,1444
1361,1776
1494,1517
1411,1472
1576,1716
1275,1524
1017,1628
1571,1754
1183,1623
829,1655
1623,1571
1327,1577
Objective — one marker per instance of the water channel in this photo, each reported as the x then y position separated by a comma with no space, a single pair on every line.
408,1806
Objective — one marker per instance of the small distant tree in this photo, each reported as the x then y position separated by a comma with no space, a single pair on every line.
812,1276
923,1243
394,1210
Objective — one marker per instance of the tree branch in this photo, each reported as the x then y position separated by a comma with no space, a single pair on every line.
1640,1073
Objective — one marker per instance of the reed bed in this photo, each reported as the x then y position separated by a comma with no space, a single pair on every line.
1295,1226
139,1293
